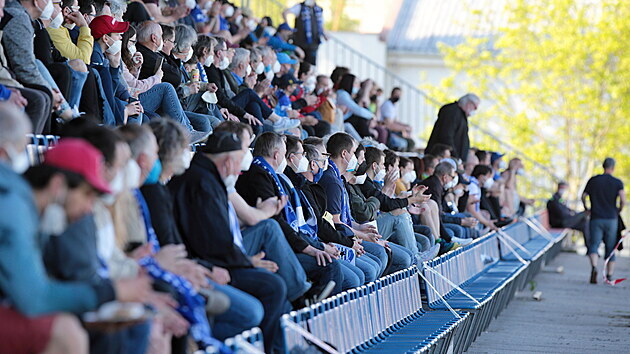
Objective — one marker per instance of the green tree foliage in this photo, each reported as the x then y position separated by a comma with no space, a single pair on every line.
555,78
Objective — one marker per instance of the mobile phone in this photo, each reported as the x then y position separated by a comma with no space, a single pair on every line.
158,64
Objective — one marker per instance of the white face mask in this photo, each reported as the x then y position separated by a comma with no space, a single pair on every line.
132,174
132,49
352,164
230,183
502,165
247,160
209,61
488,183
225,62
251,24
115,48
54,220
380,176
282,166
309,2
360,179
161,46
19,161
188,56
229,11
276,67
191,4
269,75
70,26
472,113
302,165
260,68
183,163
117,184
239,20
248,71
409,176
57,21
47,11
520,172
458,192
452,183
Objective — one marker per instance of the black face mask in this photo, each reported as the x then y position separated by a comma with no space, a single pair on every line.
394,99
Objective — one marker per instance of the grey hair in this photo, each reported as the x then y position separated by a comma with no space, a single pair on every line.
138,137
171,138
267,143
240,56
118,7
219,45
443,168
14,124
145,30
254,55
185,37
311,152
469,97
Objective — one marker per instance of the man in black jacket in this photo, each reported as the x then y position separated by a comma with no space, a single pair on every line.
262,181
210,229
451,127
150,42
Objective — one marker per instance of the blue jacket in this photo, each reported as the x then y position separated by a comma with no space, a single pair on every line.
280,45
5,93
23,280
115,91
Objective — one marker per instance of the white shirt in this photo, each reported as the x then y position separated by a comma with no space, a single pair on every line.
388,110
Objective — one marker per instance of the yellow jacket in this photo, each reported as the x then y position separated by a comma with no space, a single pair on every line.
62,41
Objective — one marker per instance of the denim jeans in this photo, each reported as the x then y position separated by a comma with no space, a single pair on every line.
369,267
267,236
76,88
398,229
352,276
249,100
244,313
606,230
322,275
454,230
424,231
402,258
200,122
162,98
216,117
378,255
271,291
423,242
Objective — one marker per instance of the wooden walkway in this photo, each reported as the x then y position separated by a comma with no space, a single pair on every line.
573,316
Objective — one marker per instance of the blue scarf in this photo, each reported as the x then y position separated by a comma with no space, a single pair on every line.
306,18
289,212
346,216
191,305
297,197
203,77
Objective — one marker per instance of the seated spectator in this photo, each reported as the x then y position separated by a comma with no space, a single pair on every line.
60,36
200,194
561,216
481,178
484,157
407,176
279,41
514,203
358,116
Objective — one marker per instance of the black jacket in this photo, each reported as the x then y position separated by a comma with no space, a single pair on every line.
558,211
257,183
216,76
370,189
160,204
451,128
200,207
316,197
437,194
150,58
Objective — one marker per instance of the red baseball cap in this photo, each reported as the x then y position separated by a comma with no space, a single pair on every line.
80,157
102,25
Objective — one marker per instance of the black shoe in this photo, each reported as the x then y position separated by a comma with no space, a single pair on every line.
593,276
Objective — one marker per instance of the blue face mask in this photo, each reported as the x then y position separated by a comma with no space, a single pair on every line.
154,175
317,176
355,90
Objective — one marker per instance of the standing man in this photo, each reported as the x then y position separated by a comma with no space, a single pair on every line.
309,28
451,127
603,191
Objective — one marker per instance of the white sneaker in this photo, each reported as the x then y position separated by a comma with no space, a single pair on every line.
429,254
462,241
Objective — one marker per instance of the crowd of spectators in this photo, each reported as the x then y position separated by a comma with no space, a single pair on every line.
298,191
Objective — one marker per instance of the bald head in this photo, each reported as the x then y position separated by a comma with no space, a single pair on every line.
14,125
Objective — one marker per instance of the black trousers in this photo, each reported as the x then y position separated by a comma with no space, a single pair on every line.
91,102
361,125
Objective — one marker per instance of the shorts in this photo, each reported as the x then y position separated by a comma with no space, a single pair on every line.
21,334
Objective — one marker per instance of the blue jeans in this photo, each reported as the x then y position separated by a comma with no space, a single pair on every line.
423,242
271,291
162,98
402,258
352,276
369,267
200,122
606,230
377,253
454,230
398,229
249,100
244,313
267,236
322,275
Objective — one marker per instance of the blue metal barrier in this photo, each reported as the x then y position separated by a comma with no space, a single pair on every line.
250,342
37,146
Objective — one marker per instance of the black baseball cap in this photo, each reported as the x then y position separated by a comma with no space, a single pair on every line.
222,141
